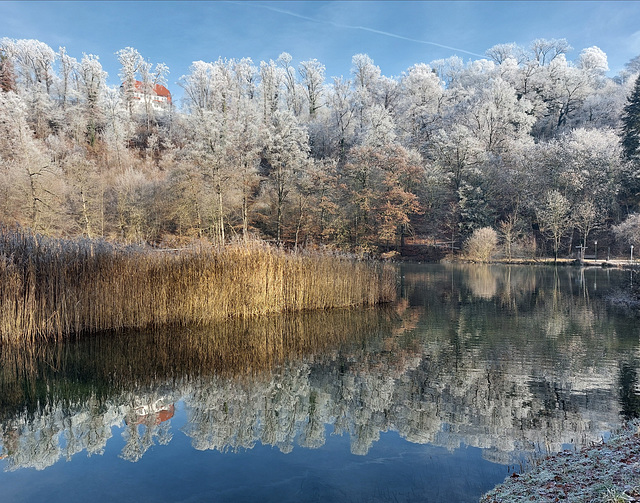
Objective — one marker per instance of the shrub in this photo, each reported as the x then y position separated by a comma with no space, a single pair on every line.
629,230
481,245
525,247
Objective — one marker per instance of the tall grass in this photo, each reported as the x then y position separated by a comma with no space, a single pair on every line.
50,288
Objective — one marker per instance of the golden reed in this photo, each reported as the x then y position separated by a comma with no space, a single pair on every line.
50,288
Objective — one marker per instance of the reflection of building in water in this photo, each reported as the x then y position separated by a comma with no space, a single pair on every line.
499,409
512,386
146,423
150,413
61,431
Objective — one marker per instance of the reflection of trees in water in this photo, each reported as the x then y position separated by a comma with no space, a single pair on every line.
482,282
139,438
440,372
102,365
57,431
629,389
65,399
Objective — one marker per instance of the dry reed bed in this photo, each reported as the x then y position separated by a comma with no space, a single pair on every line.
50,288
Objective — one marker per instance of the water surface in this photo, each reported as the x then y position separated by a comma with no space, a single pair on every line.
473,373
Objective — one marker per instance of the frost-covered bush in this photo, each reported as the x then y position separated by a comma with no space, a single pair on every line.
629,231
481,245
525,247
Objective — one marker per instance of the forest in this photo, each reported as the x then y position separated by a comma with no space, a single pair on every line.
534,146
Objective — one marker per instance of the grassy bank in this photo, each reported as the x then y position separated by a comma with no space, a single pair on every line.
50,287
607,472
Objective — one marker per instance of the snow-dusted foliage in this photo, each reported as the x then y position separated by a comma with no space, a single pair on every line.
493,137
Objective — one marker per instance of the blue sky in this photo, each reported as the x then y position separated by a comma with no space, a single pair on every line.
395,34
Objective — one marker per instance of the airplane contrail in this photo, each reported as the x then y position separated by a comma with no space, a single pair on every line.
362,28
388,34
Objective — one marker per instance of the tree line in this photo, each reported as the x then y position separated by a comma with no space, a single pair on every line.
538,147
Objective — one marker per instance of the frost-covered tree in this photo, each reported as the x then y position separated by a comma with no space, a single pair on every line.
586,218
554,218
293,93
481,245
246,76
629,230
7,72
593,59
448,70
68,66
591,166
269,88
32,61
246,144
602,108
378,127
500,53
32,185
130,61
341,117
207,151
365,77
199,86
421,106
286,150
117,128
565,88
365,73
91,85
545,51
631,69
496,117
459,153
312,74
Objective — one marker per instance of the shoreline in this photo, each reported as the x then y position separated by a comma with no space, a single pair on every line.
587,263
608,472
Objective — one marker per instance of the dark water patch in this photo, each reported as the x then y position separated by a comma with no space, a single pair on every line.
475,371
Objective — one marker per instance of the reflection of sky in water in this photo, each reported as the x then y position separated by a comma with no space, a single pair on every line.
393,470
475,371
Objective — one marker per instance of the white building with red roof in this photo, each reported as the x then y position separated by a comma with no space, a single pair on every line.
159,97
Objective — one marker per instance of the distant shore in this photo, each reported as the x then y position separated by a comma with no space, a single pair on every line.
610,263
618,263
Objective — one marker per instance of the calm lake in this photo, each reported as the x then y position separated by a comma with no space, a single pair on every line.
474,372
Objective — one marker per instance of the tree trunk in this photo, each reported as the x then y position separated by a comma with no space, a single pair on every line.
220,216
85,215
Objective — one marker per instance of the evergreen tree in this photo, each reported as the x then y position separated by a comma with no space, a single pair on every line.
631,124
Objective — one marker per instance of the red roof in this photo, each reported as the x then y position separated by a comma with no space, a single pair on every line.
160,90
158,417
